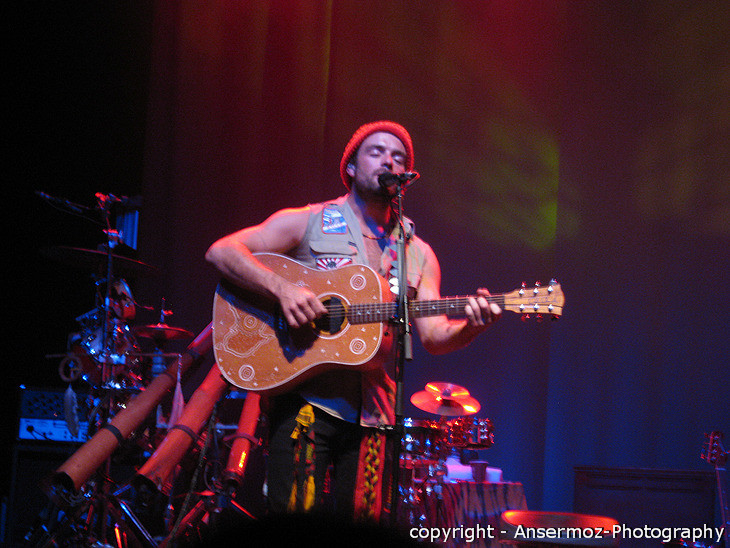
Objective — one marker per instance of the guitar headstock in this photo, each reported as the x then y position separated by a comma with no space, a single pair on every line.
539,300
713,451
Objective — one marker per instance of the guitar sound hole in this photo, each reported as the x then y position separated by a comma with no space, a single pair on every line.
334,321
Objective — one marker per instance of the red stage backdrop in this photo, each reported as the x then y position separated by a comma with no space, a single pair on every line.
582,140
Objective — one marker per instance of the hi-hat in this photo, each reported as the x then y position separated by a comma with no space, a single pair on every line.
92,259
161,332
439,398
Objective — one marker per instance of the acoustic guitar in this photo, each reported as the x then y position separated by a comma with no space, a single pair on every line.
257,350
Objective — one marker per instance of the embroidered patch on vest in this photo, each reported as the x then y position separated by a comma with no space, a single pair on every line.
330,263
333,222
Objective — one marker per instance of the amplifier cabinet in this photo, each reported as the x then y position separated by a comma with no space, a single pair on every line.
640,497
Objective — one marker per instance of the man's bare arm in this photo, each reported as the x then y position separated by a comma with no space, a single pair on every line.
233,256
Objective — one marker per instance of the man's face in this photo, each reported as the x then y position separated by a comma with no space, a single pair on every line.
380,152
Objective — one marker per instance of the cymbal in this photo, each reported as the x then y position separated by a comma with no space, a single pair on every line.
431,402
162,332
93,259
447,390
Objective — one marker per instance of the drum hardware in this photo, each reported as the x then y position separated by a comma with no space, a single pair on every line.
95,260
89,354
160,334
427,445
447,389
446,400
424,443
104,353
470,433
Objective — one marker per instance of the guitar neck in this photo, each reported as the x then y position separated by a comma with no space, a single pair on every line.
381,312
715,454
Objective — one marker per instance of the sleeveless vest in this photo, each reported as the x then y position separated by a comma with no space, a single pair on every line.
334,238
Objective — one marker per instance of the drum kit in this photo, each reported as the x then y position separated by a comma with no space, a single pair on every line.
430,447
106,350
430,442
110,356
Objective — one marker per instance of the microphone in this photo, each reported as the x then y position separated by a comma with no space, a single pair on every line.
389,179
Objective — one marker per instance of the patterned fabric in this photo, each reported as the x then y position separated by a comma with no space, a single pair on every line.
467,506
303,475
370,477
329,263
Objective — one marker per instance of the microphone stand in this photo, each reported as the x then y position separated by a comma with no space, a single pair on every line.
404,350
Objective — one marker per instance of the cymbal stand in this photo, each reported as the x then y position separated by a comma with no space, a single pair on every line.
158,359
97,513
103,495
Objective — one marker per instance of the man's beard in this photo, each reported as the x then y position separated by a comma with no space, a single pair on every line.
380,194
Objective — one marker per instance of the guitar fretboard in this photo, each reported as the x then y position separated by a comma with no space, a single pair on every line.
381,312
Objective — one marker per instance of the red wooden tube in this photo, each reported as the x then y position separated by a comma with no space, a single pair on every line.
160,466
73,473
245,440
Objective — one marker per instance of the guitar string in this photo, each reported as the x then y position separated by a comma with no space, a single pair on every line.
386,310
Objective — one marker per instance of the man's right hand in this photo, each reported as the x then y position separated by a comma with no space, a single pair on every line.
299,304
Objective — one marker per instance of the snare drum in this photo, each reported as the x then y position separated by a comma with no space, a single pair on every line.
470,432
424,441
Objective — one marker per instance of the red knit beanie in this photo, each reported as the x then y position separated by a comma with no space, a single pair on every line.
368,129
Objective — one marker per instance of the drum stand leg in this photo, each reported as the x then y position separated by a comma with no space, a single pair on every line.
101,518
93,516
75,516
209,509
411,508
212,506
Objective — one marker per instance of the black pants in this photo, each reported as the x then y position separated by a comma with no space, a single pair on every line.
336,443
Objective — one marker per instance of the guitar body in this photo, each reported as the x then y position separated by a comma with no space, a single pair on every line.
257,350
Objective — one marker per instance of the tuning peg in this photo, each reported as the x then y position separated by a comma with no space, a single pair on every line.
539,318
525,317
555,317
537,288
